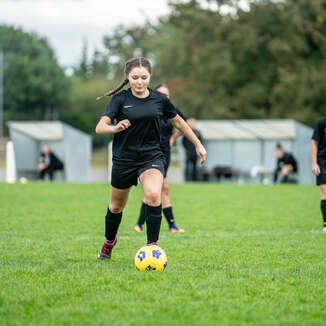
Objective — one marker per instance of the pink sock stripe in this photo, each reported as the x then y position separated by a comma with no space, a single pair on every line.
111,243
152,244
169,206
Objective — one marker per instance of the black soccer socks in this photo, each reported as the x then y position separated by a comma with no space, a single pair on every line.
142,214
153,222
112,222
323,210
167,211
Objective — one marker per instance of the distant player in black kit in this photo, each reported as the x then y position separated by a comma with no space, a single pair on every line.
318,160
191,157
166,133
286,164
137,149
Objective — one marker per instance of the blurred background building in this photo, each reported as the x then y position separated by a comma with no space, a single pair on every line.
72,146
245,149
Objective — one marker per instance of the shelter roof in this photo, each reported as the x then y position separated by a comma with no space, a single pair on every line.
39,130
248,129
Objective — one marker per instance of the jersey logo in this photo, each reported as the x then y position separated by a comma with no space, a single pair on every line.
127,106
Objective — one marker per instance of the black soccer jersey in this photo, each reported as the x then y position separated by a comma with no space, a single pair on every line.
320,137
167,129
288,158
142,140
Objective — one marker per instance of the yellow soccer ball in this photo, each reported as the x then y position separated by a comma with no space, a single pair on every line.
150,258
23,180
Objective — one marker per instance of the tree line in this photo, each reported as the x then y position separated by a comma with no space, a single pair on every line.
265,62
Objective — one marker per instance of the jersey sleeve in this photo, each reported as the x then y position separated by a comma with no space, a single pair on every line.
169,109
181,114
113,107
318,131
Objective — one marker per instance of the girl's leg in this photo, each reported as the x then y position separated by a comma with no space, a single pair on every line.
167,207
152,181
165,204
141,218
118,200
165,193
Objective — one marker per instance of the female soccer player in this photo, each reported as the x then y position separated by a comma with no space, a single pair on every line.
137,149
166,133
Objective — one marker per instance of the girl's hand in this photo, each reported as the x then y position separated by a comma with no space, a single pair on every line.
122,125
201,152
315,169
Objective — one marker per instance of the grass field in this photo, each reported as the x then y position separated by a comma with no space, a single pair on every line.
252,255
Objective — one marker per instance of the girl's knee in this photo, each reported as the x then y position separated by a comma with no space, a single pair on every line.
153,198
115,208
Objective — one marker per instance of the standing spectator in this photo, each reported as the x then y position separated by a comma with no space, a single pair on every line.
286,164
49,163
191,156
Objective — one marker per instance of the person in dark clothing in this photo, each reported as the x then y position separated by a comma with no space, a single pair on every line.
191,157
318,162
166,134
137,149
49,163
286,164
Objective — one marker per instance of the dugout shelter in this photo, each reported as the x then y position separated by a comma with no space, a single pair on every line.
246,145
72,146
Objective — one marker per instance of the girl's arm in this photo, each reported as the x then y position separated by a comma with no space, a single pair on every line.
313,154
104,126
181,125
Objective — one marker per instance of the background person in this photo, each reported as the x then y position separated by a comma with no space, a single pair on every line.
49,163
137,151
318,163
166,134
286,164
191,157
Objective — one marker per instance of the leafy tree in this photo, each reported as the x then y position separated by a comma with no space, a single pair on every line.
265,62
84,111
35,86
83,68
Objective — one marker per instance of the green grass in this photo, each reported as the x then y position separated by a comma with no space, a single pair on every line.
252,255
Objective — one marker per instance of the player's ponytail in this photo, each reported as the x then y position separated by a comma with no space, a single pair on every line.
125,82
130,64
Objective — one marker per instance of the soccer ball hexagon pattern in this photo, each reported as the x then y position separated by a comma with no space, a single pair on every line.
150,258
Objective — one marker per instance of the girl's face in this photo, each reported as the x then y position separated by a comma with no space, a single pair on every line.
139,78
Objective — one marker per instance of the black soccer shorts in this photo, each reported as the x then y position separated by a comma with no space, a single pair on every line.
125,175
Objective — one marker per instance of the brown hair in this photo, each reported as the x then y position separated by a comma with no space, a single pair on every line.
130,64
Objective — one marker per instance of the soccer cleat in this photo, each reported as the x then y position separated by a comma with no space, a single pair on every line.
138,228
324,229
106,251
173,228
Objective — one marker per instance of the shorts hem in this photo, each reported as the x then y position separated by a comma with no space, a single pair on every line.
123,187
149,168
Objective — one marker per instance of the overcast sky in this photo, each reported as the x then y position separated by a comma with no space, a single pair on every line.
65,23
